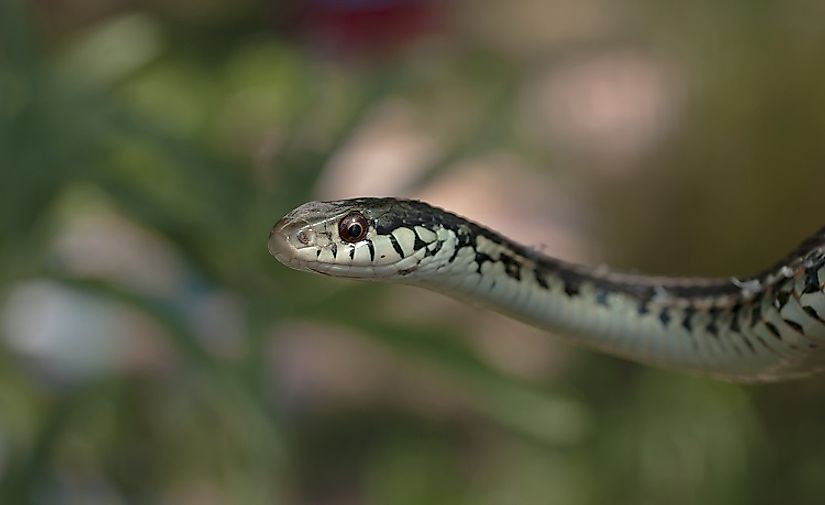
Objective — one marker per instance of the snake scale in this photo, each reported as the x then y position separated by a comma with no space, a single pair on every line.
767,327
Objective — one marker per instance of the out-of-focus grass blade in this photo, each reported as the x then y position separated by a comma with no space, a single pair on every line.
299,168
492,119
523,408
512,403
208,368
20,482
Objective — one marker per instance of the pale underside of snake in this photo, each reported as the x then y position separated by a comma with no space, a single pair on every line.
767,327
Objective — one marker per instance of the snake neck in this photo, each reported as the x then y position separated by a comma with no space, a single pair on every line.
765,327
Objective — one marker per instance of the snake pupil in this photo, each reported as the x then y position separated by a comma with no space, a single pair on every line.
352,227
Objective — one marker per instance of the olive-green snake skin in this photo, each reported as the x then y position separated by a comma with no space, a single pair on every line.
767,327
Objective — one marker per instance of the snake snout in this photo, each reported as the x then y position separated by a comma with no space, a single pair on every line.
278,243
286,236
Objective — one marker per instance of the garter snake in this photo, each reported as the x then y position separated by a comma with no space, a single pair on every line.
767,327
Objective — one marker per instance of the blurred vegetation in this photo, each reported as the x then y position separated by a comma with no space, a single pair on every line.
195,124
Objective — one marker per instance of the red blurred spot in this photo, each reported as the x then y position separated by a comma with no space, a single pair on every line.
354,26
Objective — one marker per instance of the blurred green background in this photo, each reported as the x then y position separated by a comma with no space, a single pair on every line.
152,352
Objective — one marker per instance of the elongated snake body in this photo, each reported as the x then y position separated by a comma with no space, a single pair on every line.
767,327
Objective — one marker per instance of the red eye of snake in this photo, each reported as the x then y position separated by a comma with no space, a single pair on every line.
352,228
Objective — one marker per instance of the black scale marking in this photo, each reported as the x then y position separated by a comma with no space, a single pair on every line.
756,315
434,249
418,243
712,327
811,281
643,308
463,239
452,257
813,313
687,322
334,248
371,248
352,252
601,298
781,283
540,278
773,329
571,287
664,317
396,245
796,326
512,266
781,299
481,258
734,322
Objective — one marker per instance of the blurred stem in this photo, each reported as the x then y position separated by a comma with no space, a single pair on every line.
21,483
300,169
530,412
16,44
219,381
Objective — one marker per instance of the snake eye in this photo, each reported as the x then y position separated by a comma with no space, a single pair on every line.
352,228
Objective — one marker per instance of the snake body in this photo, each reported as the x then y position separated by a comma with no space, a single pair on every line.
766,327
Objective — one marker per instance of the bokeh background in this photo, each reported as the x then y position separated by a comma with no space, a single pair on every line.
152,352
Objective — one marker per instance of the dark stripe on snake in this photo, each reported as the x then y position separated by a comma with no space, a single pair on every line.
773,329
813,313
481,258
811,281
664,317
540,279
796,326
512,267
417,243
396,245
371,248
781,299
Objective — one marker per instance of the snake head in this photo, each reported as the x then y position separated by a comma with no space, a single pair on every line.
366,238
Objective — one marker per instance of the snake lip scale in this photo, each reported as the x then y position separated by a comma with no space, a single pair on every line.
766,327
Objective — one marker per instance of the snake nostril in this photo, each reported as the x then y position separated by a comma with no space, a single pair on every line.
303,237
